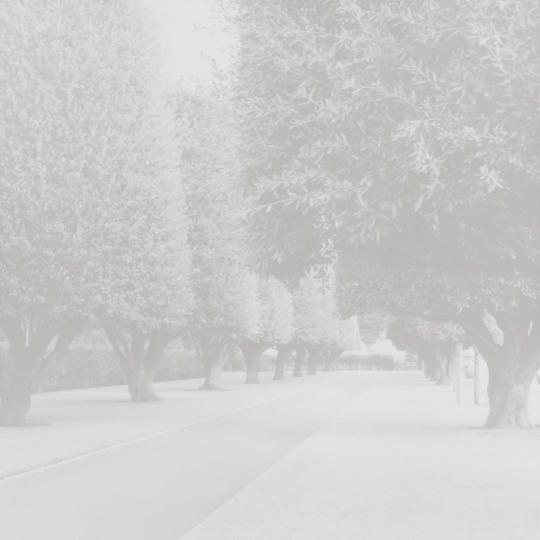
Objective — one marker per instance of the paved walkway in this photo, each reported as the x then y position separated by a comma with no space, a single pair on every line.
344,455
402,462
70,423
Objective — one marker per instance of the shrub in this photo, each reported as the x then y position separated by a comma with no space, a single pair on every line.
88,366
358,359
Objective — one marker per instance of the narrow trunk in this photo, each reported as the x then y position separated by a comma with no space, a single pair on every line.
312,361
279,373
425,364
212,377
441,367
152,359
16,394
215,351
299,361
432,367
284,351
135,367
28,343
330,355
251,352
139,355
434,374
147,392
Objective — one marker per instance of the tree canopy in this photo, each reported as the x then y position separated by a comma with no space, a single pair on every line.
89,218
360,112
225,293
402,136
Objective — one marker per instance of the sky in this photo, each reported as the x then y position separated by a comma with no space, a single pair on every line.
187,49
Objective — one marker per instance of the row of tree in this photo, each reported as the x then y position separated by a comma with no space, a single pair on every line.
90,222
120,210
398,140
391,146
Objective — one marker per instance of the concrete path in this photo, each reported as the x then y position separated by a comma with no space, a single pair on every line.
402,462
162,485
346,455
62,425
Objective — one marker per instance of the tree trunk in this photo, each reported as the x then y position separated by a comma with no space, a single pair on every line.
215,351
508,398
252,352
279,373
512,364
299,361
135,365
312,361
16,394
284,351
432,366
443,381
212,377
425,363
139,355
330,355
28,343
434,373
152,359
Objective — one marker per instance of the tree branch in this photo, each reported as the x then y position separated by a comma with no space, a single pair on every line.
473,323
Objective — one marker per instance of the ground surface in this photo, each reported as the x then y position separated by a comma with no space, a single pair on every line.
345,455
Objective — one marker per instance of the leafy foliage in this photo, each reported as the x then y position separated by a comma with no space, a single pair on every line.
90,209
315,315
372,327
349,335
91,204
414,334
403,136
226,302
277,312
361,114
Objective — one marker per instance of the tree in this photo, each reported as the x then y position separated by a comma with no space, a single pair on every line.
357,110
372,327
434,343
315,320
408,128
284,353
328,345
225,293
147,298
73,76
275,326
472,300
343,336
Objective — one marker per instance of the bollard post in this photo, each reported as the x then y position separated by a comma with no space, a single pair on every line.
476,377
457,370
458,373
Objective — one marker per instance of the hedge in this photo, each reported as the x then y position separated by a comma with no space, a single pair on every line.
366,361
88,366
